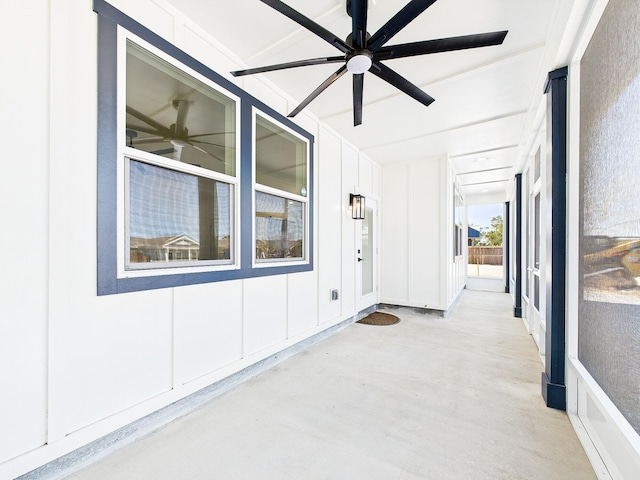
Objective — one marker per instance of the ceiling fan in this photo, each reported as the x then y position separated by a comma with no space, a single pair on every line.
177,133
363,52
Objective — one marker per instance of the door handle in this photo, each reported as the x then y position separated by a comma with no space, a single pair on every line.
359,259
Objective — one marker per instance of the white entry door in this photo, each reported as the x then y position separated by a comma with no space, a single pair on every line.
366,257
535,281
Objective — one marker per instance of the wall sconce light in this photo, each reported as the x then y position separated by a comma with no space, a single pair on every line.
356,203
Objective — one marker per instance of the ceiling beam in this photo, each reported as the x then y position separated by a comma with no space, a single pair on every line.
485,183
474,172
466,71
482,152
446,130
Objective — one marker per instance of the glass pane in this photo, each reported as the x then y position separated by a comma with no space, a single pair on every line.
536,254
279,227
527,237
177,217
173,115
367,252
281,158
457,220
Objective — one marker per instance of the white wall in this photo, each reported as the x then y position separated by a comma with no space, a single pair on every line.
417,230
76,366
24,193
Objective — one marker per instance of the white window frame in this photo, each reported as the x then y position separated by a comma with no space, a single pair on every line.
125,154
257,187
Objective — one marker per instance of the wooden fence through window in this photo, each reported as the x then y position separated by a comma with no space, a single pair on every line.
485,255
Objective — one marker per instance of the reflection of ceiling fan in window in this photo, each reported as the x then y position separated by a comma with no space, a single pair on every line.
177,133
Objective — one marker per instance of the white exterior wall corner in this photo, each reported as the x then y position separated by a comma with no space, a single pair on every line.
350,169
452,265
416,250
78,366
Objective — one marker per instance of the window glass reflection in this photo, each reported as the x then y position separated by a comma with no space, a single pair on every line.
177,217
281,158
279,227
173,115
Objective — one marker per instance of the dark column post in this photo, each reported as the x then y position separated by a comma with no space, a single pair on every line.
553,386
507,246
517,300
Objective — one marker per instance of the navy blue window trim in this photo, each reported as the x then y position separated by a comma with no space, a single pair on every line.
107,280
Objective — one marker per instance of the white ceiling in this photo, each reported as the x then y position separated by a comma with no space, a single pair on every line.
486,98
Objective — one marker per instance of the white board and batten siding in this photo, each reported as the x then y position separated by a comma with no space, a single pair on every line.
76,366
417,245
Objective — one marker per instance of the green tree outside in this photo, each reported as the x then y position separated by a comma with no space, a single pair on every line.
492,236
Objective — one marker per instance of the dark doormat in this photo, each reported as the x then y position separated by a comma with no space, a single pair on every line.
379,318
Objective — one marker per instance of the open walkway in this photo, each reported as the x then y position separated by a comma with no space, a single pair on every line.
427,398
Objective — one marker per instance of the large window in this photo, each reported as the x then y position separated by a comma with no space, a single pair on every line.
197,180
179,155
281,204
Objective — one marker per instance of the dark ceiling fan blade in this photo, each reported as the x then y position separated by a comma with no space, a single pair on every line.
200,142
358,87
398,22
139,128
309,25
164,151
148,141
282,66
441,45
358,12
148,120
401,83
335,76
210,134
215,157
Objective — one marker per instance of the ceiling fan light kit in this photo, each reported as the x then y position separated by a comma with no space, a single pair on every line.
359,63
363,52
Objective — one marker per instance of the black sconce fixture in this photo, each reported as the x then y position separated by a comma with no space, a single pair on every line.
356,203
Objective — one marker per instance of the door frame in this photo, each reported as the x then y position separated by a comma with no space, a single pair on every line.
371,215
534,185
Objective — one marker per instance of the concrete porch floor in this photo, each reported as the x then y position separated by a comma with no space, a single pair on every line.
428,398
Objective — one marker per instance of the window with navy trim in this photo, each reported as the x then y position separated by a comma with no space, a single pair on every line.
281,203
198,181
179,157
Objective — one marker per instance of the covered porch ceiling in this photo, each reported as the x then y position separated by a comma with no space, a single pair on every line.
486,99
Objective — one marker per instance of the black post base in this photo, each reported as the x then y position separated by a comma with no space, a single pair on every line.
517,312
555,396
